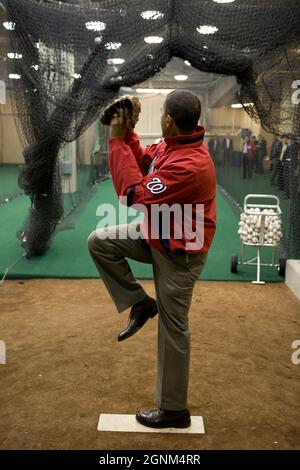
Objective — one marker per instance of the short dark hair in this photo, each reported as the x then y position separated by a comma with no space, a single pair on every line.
185,108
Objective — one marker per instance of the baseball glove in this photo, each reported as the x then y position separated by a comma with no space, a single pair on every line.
131,107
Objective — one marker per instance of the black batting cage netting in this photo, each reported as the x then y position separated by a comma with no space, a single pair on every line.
67,78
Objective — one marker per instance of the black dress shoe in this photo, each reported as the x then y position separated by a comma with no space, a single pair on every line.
139,314
164,418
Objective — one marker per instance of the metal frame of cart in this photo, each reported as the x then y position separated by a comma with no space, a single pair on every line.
256,261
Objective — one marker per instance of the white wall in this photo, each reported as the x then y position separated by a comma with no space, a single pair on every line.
10,145
148,127
11,150
227,121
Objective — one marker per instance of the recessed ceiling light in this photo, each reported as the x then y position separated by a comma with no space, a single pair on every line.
95,25
187,62
206,29
116,79
112,46
115,61
153,39
223,1
126,89
152,15
236,105
14,76
13,55
181,78
9,25
162,91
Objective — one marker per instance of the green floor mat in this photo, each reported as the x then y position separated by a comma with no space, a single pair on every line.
9,182
68,256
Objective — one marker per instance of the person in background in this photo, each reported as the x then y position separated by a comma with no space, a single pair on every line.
287,162
261,154
275,151
255,148
214,149
277,168
227,150
248,151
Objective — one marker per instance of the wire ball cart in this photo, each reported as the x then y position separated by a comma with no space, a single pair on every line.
260,226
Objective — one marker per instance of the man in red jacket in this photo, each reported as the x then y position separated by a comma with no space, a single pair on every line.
174,181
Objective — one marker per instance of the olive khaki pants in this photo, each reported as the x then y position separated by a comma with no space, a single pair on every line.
175,275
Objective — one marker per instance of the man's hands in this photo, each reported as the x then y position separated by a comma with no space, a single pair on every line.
122,115
135,111
119,125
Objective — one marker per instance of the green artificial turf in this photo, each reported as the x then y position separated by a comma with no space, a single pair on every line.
68,256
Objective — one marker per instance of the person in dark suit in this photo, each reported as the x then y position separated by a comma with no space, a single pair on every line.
287,163
275,151
261,154
248,150
227,150
277,167
255,148
214,147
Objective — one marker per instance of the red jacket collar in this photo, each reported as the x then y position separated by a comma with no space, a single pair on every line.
196,137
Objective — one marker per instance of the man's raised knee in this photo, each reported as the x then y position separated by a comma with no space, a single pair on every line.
98,239
91,240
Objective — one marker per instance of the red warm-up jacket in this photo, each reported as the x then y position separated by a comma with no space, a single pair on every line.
178,170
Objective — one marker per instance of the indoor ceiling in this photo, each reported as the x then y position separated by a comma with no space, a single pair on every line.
197,81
